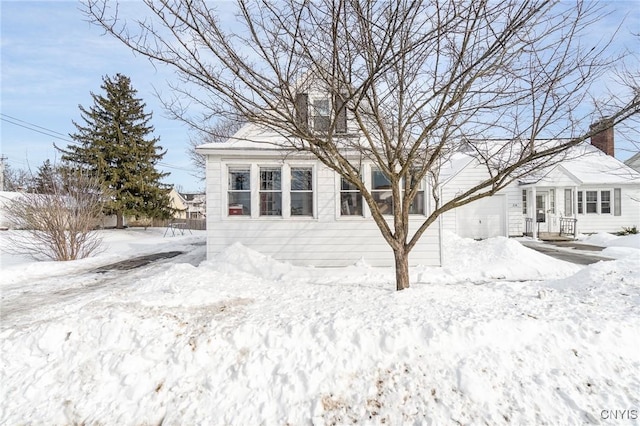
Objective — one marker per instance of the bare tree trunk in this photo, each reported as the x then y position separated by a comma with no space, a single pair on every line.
119,220
402,268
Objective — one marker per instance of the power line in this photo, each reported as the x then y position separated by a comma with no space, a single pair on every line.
34,127
52,133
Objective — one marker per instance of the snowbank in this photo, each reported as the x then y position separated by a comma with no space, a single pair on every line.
616,247
243,339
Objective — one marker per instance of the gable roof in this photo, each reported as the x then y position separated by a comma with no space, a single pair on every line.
634,161
588,165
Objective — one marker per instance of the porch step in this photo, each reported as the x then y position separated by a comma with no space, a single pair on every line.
553,236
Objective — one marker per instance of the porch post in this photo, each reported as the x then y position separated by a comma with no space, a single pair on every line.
534,221
575,211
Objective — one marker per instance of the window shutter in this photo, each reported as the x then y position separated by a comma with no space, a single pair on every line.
568,202
617,202
302,109
341,113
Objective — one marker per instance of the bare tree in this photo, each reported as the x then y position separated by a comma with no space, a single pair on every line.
16,179
411,83
219,132
59,223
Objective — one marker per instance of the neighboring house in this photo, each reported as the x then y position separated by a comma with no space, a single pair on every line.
178,203
293,208
195,205
590,191
634,162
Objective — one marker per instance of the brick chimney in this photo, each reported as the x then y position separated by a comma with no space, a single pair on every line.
604,139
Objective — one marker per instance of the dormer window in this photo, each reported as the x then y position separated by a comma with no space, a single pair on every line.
323,112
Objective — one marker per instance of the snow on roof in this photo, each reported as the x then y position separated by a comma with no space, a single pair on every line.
587,165
250,136
453,165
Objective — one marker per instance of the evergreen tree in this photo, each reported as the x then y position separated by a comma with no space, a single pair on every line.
115,144
44,178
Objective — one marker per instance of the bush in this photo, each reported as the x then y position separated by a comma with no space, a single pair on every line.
58,223
628,230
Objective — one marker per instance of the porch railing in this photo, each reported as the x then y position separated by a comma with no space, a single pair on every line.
528,226
568,226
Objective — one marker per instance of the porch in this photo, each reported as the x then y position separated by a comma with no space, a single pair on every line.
549,212
540,230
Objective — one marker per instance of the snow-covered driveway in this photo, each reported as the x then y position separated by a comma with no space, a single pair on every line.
499,335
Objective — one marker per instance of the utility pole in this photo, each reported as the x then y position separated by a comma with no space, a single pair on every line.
2,158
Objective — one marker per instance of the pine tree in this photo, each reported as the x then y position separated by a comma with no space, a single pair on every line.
44,178
115,144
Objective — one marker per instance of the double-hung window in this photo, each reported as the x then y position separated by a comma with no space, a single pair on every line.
321,114
417,206
381,191
270,191
591,202
350,199
301,191
605,202
580,203
239,192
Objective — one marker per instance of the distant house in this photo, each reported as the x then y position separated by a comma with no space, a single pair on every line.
195,205
178,203
634,162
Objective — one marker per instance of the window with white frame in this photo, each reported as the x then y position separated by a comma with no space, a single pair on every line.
552,200
591,202
270,191
580,203
383,196
321,114
605,202
239,192
350,199
381,191
301,191
524,201
417,206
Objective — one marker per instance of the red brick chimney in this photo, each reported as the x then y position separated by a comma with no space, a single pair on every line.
604,139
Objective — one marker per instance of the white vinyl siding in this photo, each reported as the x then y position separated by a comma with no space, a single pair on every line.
324,239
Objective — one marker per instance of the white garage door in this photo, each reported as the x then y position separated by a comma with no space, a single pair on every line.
483,218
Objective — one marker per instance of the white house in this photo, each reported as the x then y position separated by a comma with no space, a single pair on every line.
292,207
590,191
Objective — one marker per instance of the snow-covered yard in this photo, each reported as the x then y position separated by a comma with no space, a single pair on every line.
500,334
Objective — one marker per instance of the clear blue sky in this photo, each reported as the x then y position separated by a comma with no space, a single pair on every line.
52,59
